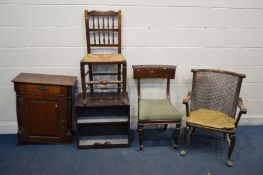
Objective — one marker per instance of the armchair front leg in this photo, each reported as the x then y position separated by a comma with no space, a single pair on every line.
187,134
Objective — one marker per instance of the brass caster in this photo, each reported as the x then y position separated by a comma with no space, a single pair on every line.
141,148
229,163
183,153
175,147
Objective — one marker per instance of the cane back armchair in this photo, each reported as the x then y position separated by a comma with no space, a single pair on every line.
212,105
103,31
156,111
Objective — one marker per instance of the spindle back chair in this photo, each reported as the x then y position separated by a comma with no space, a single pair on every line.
103,30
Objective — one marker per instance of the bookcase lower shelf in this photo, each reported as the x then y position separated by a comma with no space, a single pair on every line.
103,141
104,121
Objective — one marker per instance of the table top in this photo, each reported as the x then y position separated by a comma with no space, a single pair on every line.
45,79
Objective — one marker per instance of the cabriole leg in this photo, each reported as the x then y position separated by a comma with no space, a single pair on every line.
187,133
232,142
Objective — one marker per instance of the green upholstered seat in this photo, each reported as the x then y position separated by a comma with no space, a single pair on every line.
157,109
211,118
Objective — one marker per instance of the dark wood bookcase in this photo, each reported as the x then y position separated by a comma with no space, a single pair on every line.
104,121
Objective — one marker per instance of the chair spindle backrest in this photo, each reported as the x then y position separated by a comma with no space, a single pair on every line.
103,29
216,89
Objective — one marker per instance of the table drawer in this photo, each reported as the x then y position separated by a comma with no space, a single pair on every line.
42,88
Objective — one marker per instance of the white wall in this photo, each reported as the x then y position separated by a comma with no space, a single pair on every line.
47,36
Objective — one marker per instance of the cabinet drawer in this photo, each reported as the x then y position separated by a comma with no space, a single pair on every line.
41,88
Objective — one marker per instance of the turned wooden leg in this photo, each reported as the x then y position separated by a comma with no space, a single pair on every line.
119,76
91,78
83,83
124,78
187,133
140,135
232,142
165,127
177,135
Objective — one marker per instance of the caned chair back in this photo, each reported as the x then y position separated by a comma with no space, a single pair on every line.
216,89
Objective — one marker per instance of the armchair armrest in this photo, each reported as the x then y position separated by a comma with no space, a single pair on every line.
243,110
241,106
186,101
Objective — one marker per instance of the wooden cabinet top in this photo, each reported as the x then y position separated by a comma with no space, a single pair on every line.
45,79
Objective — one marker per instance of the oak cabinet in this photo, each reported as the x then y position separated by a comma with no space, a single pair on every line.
44,107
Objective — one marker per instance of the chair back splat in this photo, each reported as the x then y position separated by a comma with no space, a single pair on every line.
154,71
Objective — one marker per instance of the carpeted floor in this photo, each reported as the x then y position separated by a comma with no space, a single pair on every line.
206,156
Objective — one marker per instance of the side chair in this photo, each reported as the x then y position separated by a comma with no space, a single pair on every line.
103,31
156,111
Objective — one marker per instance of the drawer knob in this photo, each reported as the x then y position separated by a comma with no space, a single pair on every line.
42,88
151,71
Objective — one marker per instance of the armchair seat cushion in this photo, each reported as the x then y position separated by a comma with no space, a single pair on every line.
104,58
158,109
211,118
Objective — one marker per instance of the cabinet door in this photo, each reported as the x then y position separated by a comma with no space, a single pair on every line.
43,118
